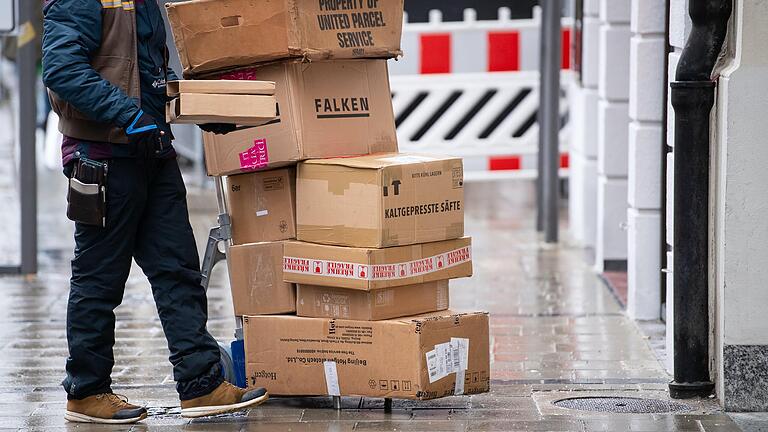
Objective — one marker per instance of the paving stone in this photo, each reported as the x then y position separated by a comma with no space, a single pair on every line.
536,425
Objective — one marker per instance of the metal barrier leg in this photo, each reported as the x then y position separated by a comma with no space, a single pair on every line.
387,405
550,118
337,403
28,12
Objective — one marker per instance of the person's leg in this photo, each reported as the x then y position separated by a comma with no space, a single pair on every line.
99,271
165,250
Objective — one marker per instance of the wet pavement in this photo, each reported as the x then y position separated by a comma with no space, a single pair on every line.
556,332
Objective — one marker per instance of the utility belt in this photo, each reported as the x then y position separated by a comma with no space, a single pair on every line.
87,194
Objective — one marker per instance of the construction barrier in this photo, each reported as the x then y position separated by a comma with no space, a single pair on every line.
470,89
472,46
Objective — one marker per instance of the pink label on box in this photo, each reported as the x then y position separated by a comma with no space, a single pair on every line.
242,75
256,157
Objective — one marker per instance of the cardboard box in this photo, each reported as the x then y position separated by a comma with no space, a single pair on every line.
370,269
215,35
237,102
256,278
424,357
325,302
326,109
261,206
380,200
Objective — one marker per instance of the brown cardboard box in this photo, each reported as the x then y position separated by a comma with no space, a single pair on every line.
380,200
261,206
256,279
215,35
326,109
238,102
371,269
407,358
325,302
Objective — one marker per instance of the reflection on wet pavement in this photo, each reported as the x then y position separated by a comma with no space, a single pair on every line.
556,333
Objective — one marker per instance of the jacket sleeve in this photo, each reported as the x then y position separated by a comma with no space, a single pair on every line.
71,36
172,75
169,70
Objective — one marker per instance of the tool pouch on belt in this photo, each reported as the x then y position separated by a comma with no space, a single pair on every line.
87,195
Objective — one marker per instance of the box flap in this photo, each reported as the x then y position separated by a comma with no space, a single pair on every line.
380,160
172,110
241,87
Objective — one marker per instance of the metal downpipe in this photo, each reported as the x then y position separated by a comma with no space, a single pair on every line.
692,96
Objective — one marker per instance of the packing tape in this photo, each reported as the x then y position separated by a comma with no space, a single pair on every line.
377,272
459,387
331,378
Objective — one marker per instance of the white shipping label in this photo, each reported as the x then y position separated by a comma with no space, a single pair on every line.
433,367
261,213
462,351
332,378
441,362
447,358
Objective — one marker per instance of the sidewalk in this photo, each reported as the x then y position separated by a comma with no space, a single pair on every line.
556,333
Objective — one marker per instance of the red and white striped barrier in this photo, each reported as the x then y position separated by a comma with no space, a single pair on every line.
470,89
504,45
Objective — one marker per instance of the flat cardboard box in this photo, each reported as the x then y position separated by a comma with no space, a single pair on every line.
256,279
238,102
261,205
238,109
423,357
215,35
380,200
325,302
326,109
371,269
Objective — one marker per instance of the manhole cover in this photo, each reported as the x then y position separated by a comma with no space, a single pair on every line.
622,405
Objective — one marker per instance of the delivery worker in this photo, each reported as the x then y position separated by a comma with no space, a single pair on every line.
105,65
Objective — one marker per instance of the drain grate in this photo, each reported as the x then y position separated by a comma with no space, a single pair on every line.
629,405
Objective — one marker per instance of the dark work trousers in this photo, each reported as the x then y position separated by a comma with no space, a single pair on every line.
147,220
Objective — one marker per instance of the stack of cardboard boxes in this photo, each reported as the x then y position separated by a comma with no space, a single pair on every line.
339,265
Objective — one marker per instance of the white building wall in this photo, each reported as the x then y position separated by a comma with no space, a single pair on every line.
646,112
739,204
613,132
740,201
583,149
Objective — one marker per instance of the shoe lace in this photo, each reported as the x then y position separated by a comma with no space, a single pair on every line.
229,385
114,399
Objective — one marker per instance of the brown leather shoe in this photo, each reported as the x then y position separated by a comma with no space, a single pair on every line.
225,398
107,408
